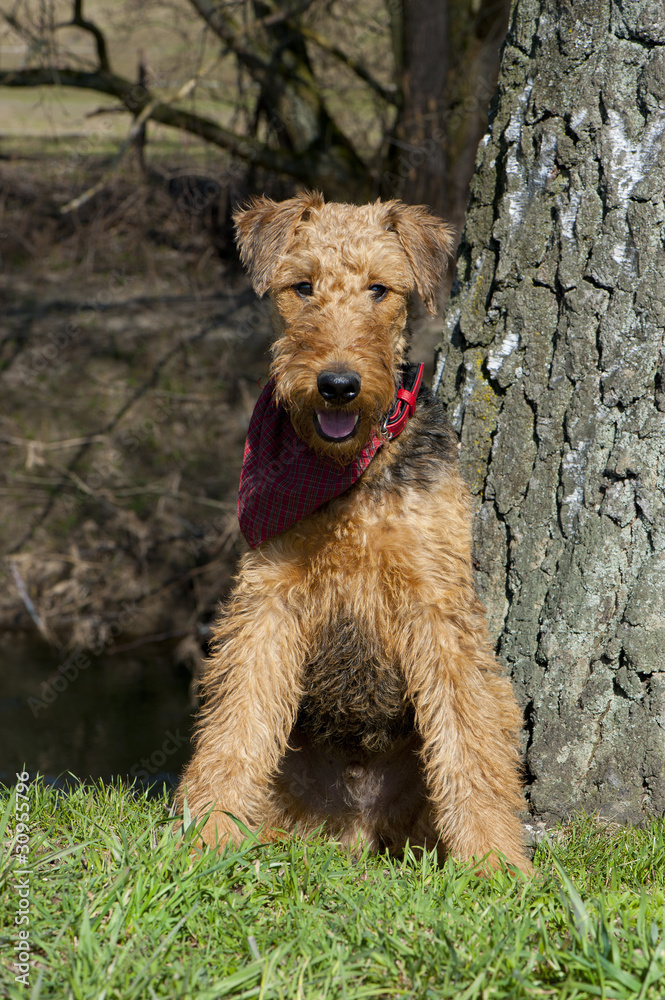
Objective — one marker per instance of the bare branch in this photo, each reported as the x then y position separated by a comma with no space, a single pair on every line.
389,94
235,35
217,20
134,131
278,61
21,30
79,21
135,99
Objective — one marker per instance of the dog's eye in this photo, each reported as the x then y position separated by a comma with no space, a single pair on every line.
303,289
378,291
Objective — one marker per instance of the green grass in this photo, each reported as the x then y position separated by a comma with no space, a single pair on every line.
120,909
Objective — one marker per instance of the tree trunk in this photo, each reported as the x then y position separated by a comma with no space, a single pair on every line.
418,145
446,62
553,369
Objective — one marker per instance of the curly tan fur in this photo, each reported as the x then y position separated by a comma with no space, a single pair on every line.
352,682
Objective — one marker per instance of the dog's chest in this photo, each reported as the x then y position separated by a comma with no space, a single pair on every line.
353,694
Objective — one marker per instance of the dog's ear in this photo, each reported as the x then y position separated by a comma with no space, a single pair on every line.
264,231
427,241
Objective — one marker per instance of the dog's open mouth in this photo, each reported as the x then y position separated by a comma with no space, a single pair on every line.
335,425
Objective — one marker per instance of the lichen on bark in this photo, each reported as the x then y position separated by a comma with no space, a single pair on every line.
553,369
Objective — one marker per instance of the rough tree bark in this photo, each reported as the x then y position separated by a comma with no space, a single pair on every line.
553,368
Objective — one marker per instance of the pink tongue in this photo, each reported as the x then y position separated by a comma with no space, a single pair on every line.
336,424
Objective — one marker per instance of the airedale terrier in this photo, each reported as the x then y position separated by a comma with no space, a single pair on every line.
352,683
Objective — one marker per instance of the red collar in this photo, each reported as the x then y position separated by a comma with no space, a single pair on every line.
405,405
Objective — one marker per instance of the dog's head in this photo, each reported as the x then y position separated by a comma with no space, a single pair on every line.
339,277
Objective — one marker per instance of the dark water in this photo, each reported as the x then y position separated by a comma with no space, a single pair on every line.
127,716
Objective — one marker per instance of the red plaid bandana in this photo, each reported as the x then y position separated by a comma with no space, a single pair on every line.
282,479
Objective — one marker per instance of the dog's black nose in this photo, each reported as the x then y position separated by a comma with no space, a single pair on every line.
338,387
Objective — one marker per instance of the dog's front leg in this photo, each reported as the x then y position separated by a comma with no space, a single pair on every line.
469,723
252,691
